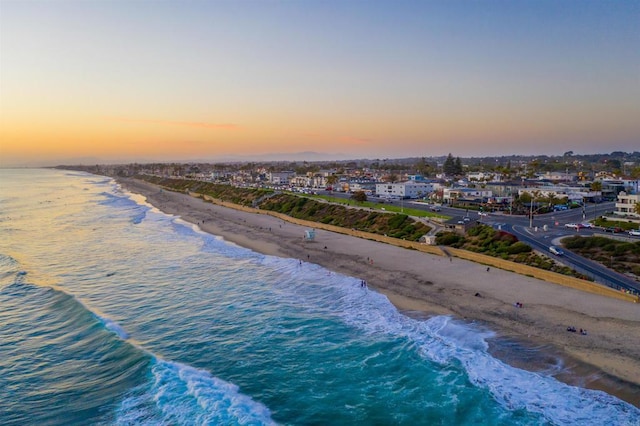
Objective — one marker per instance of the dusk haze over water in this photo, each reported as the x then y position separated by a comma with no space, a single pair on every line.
169,81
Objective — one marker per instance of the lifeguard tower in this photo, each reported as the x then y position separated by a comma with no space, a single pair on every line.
309,234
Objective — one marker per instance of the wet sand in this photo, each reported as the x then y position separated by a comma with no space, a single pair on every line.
534,337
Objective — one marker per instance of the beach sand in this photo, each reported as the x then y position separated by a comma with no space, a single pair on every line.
533,337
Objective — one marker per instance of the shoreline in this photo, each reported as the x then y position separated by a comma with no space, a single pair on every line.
421,284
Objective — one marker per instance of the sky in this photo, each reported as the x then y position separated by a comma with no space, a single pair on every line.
140,81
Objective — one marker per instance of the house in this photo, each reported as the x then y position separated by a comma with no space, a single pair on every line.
485,177
558,176
571,192
449,195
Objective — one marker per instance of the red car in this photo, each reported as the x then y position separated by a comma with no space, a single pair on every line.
613,229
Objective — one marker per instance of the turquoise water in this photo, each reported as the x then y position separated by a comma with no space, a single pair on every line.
112,312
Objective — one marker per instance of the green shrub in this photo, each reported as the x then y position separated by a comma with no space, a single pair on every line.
518,248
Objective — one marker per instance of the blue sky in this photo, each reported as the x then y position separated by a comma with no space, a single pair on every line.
168,80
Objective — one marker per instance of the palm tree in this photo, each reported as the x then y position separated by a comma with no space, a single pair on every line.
332,180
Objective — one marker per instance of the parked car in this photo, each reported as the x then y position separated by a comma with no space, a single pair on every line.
613,229
555,250
635,232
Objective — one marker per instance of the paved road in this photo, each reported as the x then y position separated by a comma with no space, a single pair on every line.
541,239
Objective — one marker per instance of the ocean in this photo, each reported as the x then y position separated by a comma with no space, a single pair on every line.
114,313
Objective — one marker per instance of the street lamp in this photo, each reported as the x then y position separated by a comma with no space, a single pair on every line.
531,212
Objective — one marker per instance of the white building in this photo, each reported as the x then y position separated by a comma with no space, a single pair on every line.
485,177
300,181
280,178
408,189
572,193
558,176
450,194
626,205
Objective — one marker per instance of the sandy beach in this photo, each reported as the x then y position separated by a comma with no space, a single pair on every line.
419,284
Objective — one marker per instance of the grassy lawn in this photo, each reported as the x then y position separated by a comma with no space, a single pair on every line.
627,226
374,206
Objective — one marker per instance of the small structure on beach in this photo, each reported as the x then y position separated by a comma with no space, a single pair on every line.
428,239
309,234
460,224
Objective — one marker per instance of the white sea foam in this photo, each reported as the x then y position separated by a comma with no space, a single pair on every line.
450,342
440,339
180,394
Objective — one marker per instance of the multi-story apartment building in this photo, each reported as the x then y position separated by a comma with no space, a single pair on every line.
626,205
408,189
280,178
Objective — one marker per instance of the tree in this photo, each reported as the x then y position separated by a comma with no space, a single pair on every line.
525,198
449,166
423,167
458,170
332,180
596,186
359,196
393,178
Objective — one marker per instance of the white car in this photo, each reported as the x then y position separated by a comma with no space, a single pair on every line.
586,225
635,232
572,225
555,250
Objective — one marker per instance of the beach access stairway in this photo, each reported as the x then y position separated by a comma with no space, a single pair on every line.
257,202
